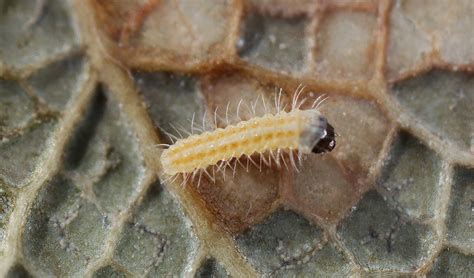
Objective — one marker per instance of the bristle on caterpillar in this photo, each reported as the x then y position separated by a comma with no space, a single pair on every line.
274,138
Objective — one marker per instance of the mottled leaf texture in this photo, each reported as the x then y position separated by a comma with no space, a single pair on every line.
90,88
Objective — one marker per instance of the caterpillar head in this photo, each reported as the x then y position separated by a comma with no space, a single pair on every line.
317,136
327,142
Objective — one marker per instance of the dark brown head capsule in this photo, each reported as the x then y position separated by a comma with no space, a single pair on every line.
327,142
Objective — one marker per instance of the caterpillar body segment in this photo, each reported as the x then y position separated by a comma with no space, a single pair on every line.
296,130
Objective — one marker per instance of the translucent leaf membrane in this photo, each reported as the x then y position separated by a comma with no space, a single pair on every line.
409,46
362,129
171,101
345,36
55,234
354,3
109,271
57,83
322,189
20,153
422,35
286,8
452,263
158,240
273,42
17,109
28,115
102,158
183,32
443,101
461,220
211,268
18,271
224,93
291,246
241,199
446,24
382,239
7,202
32,32
414,190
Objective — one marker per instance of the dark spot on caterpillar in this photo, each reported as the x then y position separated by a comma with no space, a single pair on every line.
327,142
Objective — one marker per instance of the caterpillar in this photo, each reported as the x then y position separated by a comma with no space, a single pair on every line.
295,133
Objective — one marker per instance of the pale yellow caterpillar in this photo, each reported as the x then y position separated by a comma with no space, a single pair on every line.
296,131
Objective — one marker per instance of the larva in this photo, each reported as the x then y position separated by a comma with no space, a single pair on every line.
297,131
